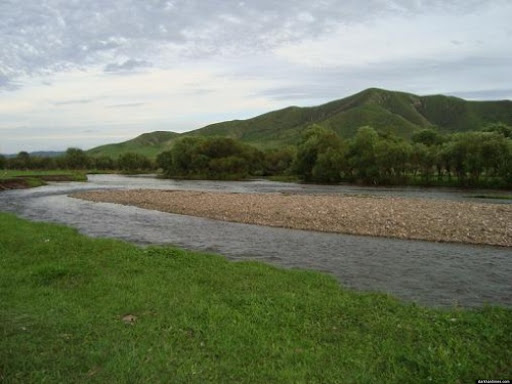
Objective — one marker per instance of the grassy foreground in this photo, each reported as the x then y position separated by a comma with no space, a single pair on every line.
76,309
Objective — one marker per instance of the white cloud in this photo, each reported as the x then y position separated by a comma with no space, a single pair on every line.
124,67
174,99
426,36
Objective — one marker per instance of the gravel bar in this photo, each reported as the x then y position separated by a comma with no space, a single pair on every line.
406,218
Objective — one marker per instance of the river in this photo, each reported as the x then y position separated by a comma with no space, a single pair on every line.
432,274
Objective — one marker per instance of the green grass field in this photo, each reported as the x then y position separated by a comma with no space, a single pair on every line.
74,175
75,309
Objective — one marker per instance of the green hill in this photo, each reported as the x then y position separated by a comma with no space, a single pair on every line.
148,144
400,112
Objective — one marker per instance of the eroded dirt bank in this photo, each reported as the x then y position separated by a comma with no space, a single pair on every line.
13,183
434,220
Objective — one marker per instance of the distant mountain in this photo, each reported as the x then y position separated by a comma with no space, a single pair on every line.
39,154
148,144
399,112
47,153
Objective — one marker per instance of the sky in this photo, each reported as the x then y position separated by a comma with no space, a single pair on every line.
80,73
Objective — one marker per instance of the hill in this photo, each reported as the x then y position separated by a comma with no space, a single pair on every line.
148,144
400,112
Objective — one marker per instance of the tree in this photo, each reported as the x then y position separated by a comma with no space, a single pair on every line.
164,160
219,147
392,156
254,157
362,155
279,161
320,155
3,162
75,158
328,166
504,169
39,162
428,137
103,163
501,128
228,167
465,154
183,154
22,161
134,162
216,157
423,159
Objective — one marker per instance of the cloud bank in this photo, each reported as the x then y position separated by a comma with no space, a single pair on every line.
125,67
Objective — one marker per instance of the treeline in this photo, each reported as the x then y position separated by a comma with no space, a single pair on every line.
478,158
482,158
77,159
222,158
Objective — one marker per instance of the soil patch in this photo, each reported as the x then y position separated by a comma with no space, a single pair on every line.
13,183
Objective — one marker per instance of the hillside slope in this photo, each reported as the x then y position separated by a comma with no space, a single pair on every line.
398,112
148,144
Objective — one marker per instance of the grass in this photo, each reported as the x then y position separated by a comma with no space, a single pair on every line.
198,318
148,144
72,175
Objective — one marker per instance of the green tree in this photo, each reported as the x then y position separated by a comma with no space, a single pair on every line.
219,147
21,161
501,128
279,161
423,159
504,169
216,157
471,153
392,157
184,156
428,137
228,167
362,155
254,157
164,160
3,162
75,158
103,163
329,165
320,155
45,163
134,162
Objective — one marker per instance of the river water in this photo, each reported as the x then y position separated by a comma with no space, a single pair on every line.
433,274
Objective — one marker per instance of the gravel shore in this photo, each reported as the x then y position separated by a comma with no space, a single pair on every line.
434,220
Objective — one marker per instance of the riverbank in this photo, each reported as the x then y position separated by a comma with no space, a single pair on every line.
421,219
78,309
30,179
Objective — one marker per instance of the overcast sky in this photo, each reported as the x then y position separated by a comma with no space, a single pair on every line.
88,72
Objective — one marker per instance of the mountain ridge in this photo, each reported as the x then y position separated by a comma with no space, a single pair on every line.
399,112
149,144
